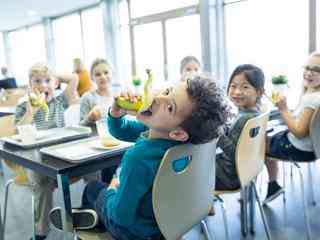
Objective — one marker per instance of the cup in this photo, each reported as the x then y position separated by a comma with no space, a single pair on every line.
27,133
102,129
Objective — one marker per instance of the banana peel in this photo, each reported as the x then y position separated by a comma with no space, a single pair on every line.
143,102
38,100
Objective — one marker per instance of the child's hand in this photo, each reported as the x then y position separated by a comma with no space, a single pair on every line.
116,111
282,103
95,114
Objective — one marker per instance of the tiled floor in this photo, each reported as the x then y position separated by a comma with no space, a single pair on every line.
286,220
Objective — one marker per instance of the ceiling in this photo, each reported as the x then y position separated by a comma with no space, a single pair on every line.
18,13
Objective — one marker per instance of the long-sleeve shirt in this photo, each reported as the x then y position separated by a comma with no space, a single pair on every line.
226,174
130,205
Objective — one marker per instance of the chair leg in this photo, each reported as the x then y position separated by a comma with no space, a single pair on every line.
264,219
224,216
205,230
252,210
33,209
313,201
7,187
304,201
244,212
284,180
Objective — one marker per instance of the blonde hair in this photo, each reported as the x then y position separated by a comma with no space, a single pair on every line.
39,68
313,54
96,62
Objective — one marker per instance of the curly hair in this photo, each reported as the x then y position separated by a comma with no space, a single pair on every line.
210,111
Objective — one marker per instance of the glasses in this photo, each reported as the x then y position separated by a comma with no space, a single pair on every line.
314,70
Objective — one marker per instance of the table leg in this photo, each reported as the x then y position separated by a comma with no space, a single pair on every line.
66,210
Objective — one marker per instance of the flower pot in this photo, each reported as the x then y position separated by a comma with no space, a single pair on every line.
277,90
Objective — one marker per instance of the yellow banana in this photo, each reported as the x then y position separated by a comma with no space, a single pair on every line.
38,100
142,103
126,104
147,97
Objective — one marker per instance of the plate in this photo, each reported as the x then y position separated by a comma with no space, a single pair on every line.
97,144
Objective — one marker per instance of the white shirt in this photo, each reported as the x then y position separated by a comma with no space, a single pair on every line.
309,100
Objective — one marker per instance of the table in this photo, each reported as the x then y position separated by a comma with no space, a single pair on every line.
7,110
60,170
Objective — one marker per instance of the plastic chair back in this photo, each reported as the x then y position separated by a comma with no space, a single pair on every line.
251,148
182,199
72,115
315,132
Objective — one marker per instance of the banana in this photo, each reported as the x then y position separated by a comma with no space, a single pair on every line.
147,97
126,104
142,103
38,100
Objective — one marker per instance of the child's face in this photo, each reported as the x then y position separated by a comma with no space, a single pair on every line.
168,110
102,76
43,83
242,93
311,73
190,68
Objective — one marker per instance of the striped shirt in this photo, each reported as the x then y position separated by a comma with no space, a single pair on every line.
57,106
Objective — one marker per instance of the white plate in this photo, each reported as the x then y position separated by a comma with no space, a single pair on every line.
97,144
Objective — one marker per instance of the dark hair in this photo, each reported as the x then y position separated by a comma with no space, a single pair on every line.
210,111
187,60
252,73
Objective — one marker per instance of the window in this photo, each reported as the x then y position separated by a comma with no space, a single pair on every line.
93,36
27,48
183,38
125,47
146,7
261,33
68,41
318,25
149,50
2,55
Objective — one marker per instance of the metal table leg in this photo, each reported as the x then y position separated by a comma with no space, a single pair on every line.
1,227
66,210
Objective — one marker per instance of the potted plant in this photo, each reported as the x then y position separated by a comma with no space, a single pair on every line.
137,83
280,85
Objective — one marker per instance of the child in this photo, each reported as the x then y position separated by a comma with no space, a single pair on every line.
295,144
94,104
189,65
245,89
194,112
85,83
43,81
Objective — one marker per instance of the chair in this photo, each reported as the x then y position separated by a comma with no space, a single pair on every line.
250,157
8,129
314,131
72,115
183,199
180,199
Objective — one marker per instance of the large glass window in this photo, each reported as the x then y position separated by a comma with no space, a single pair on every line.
2,55
149,50
183,38
125,49
93,36
146,7
261,33
318,25
68,41
27,48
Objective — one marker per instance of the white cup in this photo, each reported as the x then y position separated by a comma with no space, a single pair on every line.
27,133
102,128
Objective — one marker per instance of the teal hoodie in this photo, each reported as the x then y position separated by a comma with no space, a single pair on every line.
130,205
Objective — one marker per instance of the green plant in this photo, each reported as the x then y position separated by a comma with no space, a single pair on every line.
279,79
136,81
